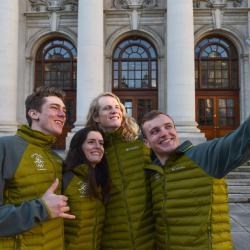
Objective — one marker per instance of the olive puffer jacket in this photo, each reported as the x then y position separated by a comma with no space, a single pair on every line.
85,231
129,222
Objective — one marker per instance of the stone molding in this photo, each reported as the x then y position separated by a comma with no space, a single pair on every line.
134,4
219,3
53,5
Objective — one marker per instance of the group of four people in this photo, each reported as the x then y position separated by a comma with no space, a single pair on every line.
113,193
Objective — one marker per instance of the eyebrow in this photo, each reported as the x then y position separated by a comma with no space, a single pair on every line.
157,127
58,105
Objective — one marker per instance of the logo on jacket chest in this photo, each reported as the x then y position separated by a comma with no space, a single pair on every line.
83,189
131,148
38,161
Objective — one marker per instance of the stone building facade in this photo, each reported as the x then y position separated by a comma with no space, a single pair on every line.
187,58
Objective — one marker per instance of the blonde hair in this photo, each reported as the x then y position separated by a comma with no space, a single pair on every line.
130,129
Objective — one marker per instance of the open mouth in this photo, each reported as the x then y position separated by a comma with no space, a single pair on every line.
166,141
60,123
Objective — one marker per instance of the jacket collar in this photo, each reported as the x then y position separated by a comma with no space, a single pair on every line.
181,149
35,137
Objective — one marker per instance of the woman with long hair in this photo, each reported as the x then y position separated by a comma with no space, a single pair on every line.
129,221
86,184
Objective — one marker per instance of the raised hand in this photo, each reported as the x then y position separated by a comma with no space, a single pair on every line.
57,204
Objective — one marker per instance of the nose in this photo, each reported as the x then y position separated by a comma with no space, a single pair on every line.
62,113
162,132
98,146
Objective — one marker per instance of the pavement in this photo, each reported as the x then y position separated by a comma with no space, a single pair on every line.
240,225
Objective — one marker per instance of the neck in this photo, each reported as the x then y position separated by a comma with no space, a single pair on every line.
162,158
110,130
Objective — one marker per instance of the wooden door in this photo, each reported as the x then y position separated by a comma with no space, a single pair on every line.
217,115
138,103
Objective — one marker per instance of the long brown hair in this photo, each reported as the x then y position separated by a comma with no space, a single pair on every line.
97,176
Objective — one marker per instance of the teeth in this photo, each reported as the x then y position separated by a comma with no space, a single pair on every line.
59,122
167,140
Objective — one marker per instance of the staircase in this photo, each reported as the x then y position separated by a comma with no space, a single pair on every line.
239,184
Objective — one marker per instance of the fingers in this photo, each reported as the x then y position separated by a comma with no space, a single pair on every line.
67,216
54,186
64,209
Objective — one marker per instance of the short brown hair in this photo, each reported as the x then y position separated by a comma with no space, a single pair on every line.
36,99
150,116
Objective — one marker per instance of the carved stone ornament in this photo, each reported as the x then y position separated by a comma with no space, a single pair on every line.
53,5
218,3
238,3
134,4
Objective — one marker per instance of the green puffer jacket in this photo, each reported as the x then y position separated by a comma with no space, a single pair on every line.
85,231
129,222
28,168
190,207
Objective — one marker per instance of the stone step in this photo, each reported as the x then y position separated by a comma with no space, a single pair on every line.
239,189
247,163
238,182
238,175
239,198
244,168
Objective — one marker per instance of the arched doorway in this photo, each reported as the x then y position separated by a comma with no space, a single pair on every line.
56,66
135,75
217,86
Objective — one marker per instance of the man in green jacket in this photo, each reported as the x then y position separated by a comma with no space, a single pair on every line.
31,206
189,200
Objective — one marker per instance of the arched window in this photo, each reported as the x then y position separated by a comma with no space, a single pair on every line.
216,64
217,87
135,65
56,62
135,75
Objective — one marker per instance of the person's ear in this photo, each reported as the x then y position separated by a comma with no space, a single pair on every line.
96,119
146,142
33,114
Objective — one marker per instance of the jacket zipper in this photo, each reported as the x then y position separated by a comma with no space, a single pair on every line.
123,191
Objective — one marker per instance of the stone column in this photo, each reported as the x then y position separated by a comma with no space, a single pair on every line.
9,13
180,68
245,72
90,58
90,68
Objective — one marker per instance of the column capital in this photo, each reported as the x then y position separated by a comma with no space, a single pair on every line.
53,5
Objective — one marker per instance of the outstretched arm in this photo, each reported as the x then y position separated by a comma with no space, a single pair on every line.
221,155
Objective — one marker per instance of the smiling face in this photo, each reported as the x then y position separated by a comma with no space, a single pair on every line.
161,136
93,148
110,115
51,118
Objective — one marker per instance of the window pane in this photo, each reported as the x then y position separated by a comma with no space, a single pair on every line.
138,65
115,74
138,74
124,65
144,106
115,65
128,106
205,112
144,65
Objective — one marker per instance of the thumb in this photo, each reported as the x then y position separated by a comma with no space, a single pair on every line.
54,186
